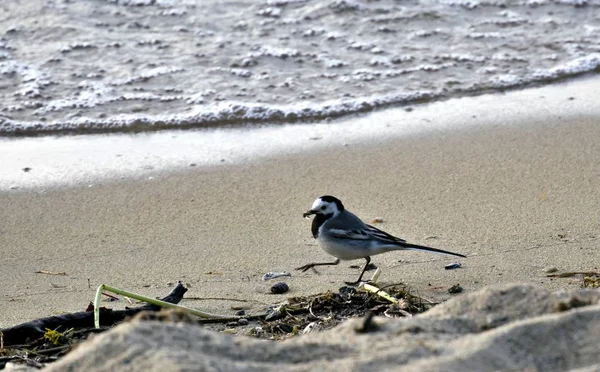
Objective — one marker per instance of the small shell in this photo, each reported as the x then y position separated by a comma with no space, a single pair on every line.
453,265
279,288
272,275
310,328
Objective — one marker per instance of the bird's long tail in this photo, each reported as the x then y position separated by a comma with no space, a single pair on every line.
417,247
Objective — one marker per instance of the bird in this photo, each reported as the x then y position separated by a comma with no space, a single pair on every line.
346,237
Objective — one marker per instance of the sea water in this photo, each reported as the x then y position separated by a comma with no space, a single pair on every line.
143,65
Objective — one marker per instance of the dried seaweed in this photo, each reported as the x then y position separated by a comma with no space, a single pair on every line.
307,314
295,316
589,279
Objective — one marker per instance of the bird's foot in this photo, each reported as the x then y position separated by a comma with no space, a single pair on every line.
305,267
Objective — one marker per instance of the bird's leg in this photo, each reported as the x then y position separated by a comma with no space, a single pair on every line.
368,259
311,265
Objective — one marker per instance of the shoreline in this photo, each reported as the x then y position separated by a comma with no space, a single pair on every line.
240,114
76,160
515,189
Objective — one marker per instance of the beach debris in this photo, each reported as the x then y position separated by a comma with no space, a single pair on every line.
573,273
221,299
590,279
50,272
550,270
256,331
377,291
311,328
295,316
375,276
275,274
276,312
456,288
377,220
58,338
149,300
401,305
279,288
33,330
453,265
111,297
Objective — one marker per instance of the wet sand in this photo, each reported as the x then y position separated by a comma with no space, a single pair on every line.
517,191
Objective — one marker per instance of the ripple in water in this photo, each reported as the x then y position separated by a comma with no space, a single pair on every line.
119,65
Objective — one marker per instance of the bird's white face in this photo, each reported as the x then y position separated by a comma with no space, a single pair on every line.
321,206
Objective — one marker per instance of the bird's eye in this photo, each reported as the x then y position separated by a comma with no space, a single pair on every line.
323,208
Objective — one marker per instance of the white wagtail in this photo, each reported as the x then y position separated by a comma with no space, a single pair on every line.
344,236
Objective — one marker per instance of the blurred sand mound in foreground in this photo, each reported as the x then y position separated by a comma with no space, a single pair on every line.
504,327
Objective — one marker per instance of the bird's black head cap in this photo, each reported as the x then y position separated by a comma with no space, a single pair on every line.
333,199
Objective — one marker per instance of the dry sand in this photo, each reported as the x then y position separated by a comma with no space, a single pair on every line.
517,191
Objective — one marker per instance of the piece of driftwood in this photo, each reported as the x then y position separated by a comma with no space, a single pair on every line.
26,332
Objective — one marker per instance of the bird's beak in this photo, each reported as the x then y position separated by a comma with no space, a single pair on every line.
308,213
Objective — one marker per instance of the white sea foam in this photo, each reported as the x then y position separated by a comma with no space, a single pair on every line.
147,65
226,113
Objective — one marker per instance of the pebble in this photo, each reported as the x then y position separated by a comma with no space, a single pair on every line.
243,321
279,288
550,270
455,289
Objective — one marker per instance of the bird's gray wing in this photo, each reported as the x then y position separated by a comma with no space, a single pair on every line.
349,226
382,236
348,234
346,226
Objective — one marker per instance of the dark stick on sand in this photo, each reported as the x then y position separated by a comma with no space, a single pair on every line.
29,331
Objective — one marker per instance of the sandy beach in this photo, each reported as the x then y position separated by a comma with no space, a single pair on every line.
517,190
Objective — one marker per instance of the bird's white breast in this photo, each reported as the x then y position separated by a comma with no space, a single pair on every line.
343,249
